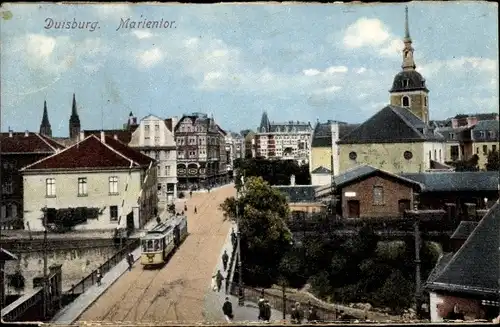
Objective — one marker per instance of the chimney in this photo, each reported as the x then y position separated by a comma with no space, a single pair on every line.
471,121
451,212
82,136
115,137
10,133
292,180
26,133
454,123
103,138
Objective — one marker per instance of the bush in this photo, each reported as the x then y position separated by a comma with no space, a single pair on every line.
181,195
16,281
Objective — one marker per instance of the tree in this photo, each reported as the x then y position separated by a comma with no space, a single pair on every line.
265,238
467,165
493,161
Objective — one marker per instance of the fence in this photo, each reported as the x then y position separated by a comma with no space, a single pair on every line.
276,302
91,279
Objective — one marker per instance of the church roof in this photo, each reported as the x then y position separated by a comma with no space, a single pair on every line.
473,269
392,124
321,170
415,80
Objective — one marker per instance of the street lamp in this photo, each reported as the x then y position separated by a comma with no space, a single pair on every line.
241,300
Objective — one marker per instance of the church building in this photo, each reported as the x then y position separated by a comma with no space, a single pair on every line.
398,138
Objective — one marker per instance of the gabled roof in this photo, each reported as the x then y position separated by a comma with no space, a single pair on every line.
392,124
298,193
487,125
93,154
321,170
464,229
28,143
359,173
123,135
474,267
456,181
441,263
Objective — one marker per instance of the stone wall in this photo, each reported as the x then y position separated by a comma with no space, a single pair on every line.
77,262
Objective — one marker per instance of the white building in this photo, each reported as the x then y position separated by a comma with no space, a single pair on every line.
287,140
155,138
104,174
235,149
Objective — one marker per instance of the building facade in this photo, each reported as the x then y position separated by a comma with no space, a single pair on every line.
17,151
103,174
155,138
485,139
287,140
235,149
199,142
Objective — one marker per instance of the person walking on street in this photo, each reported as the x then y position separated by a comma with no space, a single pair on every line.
195,210
130,260
218,279
191,193
261,303
234,238
297,314
185,208
267,311
312,314
99,277
225,258
227,309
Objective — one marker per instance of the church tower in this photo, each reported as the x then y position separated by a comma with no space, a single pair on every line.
408,89
45,128
74,121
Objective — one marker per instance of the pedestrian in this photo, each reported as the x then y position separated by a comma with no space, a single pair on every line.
234,238
185,208
267,311
130,259
99,276
218,279
191,193
261,303
158,220
195,210
225,258
227,309
312,314
296,314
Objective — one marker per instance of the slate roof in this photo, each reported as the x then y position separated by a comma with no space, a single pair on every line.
32,143
91,153
359,173
322,135
391,124
487,125
483,116
415,81
123,135
321,170
474,267
464,229
201,119
456,181
298,193
439,267
448,131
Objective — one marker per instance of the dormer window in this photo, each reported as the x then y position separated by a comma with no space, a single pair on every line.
452,136
406,83
492,134
405,101
482,134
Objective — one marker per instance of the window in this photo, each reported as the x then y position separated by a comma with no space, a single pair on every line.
50,187
482,134
452,136
440,156
378,195
146,129
492,134
7,188
157,140
157,127
425,101
435,155
82,186
477,150
405,101
406,82
157,155
407,155
353,155
113,213
485,149
159,186
494,148
113,185
167,170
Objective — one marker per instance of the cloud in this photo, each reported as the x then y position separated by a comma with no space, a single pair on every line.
329,71
113,11
371,32
150,57
142,34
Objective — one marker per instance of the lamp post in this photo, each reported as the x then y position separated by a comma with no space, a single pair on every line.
418,282
241,299
45,273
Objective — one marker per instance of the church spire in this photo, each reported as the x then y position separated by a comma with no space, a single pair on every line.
45,127
74,121
408,61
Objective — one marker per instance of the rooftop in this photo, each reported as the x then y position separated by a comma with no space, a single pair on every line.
28,142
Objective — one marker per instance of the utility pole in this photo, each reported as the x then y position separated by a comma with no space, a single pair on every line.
418,282
45,273
241,299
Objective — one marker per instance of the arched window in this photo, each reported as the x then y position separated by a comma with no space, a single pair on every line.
263,129
405,101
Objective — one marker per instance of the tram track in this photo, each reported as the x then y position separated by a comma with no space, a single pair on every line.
145,292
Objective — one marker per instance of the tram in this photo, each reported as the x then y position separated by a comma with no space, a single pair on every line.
180,227
157,245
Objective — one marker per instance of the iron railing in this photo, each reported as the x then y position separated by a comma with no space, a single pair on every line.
91,279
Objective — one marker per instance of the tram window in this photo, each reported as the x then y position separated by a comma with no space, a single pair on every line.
156,245
150,245
144,246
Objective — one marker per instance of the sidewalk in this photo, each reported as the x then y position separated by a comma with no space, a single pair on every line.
204,190
214,300
71,312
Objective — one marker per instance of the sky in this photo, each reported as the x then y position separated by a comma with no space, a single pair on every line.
304,62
